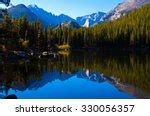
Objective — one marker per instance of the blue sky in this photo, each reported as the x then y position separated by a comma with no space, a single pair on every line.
72,8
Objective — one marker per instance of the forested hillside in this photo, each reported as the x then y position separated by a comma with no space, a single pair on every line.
129,32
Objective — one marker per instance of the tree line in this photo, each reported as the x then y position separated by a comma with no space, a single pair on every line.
127,32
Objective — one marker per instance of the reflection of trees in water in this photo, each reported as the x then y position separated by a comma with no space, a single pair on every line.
133,69
18,72
129,68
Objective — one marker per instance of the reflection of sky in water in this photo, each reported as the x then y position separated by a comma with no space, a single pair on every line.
78,75
73,88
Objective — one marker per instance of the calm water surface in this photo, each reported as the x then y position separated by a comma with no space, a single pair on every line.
78,75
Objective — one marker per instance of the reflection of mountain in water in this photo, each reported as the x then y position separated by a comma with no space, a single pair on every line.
34,74
35,83
90,75
49,77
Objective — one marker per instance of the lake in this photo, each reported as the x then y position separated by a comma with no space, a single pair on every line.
78,75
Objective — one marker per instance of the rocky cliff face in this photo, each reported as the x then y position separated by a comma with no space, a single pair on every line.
122,8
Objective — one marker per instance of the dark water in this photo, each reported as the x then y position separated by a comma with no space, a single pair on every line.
78,75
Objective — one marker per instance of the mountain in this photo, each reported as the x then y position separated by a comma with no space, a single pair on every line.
34,13
123,8
68,24
63,18
46,18
20,11
90,19
49,18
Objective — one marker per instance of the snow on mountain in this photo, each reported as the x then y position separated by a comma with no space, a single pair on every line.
122,8
87,23
91,19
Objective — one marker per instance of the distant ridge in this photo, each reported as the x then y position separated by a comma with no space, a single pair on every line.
69,24
90,19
